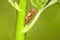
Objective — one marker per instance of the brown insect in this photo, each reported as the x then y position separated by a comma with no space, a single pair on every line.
30,15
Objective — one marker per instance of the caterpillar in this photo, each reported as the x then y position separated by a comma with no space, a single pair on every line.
30,16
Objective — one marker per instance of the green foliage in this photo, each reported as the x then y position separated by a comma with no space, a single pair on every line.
39,3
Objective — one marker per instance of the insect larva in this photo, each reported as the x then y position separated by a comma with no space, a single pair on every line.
30,15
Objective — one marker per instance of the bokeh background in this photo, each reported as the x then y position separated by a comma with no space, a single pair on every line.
47,27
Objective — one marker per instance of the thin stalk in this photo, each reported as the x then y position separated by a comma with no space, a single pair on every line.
21,20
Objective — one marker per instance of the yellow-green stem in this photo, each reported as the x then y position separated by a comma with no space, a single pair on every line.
20,26
21,20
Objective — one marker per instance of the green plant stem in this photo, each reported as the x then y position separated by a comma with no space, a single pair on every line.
21,20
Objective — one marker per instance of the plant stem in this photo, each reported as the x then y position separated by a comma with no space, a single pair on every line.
21,20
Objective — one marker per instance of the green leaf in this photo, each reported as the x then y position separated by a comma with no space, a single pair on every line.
39,3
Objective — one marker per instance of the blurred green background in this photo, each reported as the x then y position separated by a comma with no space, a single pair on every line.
47,26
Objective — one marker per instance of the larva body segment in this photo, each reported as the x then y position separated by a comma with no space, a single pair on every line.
30,15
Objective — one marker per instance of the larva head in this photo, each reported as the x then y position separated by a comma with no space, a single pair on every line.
33,11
